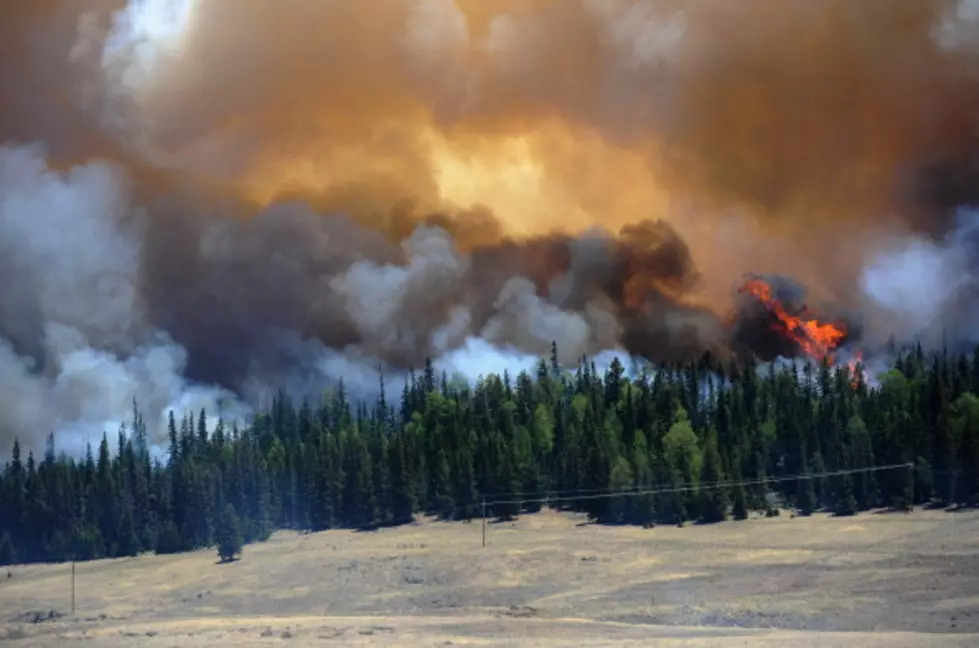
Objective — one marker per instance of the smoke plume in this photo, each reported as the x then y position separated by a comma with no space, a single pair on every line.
202,202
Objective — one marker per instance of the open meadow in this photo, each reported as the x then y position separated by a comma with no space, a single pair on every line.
548,579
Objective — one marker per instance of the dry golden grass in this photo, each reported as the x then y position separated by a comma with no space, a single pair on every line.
546,579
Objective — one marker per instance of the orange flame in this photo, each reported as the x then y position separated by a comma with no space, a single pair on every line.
817,340
857,374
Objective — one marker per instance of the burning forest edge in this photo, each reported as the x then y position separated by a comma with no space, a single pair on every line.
548,434
198,213
468,191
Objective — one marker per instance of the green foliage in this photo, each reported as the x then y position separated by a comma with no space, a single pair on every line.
229,538
168,540
846,503
621,479
739,494
739,509
805,501
713,496
680,444
127,543
88,543
673,433
682,466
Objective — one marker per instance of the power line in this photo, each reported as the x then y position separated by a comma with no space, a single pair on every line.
709,486
593,494
565,493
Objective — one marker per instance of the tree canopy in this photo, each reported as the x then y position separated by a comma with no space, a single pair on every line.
707,441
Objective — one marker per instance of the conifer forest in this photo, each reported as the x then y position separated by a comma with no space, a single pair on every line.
700,442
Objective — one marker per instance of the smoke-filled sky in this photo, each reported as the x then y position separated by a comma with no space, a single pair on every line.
204,200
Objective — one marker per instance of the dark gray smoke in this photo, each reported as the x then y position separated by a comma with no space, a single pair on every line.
203,201
186,300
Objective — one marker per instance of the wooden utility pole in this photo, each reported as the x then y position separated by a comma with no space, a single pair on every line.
484,520
73,588
911,484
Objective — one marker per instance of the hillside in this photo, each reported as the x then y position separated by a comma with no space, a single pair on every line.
548,579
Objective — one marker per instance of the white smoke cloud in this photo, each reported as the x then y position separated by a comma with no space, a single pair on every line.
70,251
647,33
958,28
67,236
387,302
917,280
479,358
523,316
22,397
143,34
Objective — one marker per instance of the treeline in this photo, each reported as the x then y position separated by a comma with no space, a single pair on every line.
695,433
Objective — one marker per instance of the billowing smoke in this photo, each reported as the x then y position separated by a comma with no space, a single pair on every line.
930,288
77,346
203,202
181,301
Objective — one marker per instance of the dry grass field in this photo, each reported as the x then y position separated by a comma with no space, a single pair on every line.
888,580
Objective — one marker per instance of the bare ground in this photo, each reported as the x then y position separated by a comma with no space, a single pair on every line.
548,579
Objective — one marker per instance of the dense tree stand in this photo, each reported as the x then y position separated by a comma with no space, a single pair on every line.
705,442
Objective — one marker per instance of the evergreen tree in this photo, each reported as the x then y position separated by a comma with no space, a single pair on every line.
619,507
229,538
683,459
714,497
8,554
168,539
87,543
677,430
127,543
739,508
805,501
846,503
739,495
403,501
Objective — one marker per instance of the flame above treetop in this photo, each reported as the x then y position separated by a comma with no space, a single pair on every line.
816,339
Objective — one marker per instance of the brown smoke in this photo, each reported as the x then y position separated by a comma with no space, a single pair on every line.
399,175
563,115
556,114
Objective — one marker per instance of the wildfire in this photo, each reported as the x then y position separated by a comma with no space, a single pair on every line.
855,367
816,339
